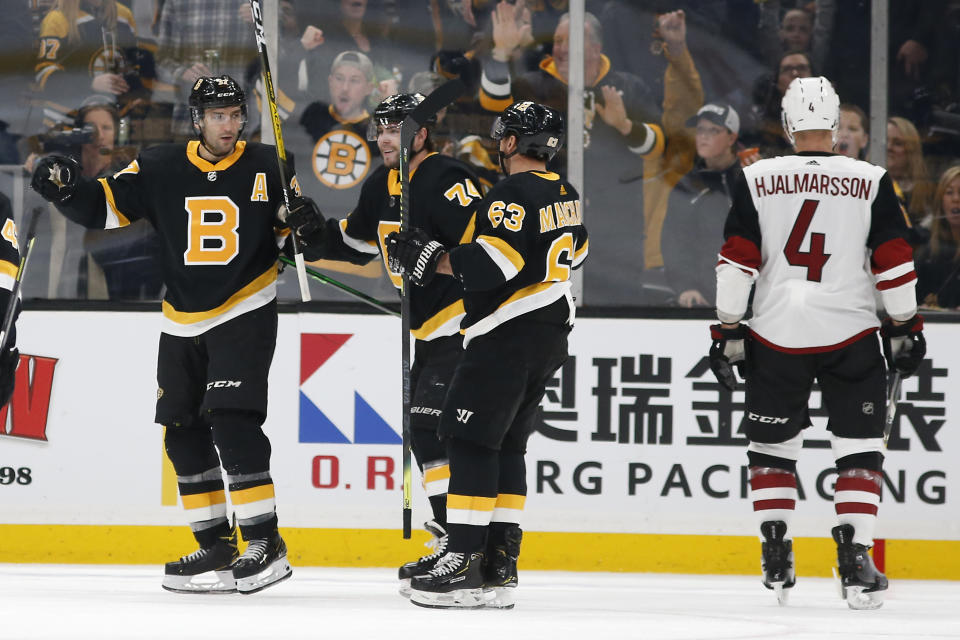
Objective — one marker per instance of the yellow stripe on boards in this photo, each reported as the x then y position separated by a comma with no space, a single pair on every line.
552,551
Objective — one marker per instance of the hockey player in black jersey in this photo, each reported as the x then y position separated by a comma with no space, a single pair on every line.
444,192
214,203
9,264
516,279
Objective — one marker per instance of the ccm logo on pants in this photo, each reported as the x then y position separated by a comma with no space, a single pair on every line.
220,384
767,419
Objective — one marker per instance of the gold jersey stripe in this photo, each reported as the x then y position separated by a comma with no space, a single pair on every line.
190,317
253,494
505,249
436,473
470,503
467,236
10,269
511,501
441,318
530,290
201,500
580,251
546,175
490,103
193,156
122,220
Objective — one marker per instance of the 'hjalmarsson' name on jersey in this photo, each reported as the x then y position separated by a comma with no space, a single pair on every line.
792,226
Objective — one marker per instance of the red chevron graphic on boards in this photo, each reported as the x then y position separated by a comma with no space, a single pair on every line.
316,349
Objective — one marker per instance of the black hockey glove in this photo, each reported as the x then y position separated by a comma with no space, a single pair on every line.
8,374
904,345
414,252
729,350
55,178
306,220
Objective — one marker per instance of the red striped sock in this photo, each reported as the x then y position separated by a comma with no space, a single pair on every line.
774,494
856,499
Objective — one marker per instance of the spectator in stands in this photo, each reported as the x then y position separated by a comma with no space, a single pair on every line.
200,38
765,129
805,27
698,207
346,25
938,263
854,134
906,166
332,140
16,63
88,46
621,130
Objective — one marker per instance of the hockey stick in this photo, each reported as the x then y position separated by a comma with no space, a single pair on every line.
895,382
31,237
438,99
359,295
285,176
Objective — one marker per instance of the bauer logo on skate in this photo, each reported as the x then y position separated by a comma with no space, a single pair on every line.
25,416
338,361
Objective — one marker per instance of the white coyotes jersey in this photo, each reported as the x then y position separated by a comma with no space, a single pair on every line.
816,219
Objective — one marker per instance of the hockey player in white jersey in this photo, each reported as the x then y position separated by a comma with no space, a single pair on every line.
816,233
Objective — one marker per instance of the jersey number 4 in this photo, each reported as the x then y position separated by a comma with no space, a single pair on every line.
815,258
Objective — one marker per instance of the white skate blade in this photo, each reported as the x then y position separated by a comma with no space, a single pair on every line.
405,587
783,595
458,599
278,571
499,597
211,582
857,598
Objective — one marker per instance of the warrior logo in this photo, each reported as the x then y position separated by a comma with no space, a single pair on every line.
341,159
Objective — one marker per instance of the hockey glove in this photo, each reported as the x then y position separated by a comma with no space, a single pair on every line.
728,351
904,345
8,374
305,219
415,253
55,178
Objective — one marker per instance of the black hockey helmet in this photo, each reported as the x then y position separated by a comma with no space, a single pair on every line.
393,110
210,93
539,129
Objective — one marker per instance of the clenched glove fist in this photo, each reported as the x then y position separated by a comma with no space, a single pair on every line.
415,253
8,374
55,178
305,219
728,351
904,345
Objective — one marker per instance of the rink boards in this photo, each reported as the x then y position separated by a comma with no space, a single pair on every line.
637,466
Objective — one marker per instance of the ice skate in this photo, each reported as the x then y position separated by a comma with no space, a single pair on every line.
206,570
455,582
777,560
263,564
500,571
438,544
861,585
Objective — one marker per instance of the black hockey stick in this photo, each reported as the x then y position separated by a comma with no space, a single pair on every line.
28,241
336,284
286,178
895,382
438,99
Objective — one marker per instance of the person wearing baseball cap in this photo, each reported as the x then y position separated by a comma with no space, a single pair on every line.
698,206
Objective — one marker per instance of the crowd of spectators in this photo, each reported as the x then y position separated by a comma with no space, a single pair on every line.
679,95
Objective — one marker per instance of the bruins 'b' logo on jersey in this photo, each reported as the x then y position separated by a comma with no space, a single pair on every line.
341,159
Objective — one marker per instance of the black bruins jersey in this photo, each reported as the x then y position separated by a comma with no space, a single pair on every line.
9,259
529,236
216,222
443,192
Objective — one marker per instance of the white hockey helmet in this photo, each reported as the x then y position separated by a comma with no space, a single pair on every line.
808,104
